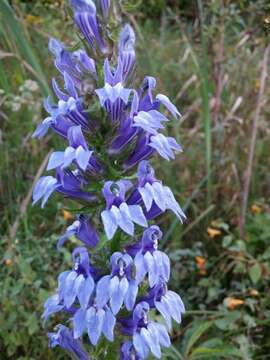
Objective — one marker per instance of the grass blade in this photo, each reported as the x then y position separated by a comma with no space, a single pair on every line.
11,28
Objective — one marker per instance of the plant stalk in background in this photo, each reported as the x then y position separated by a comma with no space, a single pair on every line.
204,74
248,172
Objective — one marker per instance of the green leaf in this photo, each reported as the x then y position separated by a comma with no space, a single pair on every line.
212,343
32,324
266,254
255,273
227,240
250,321
172,354
196,334
228,322
223,351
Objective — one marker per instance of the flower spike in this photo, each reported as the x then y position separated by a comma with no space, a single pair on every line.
118,278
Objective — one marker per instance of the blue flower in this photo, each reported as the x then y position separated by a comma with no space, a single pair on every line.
156,197
165,146
67,182
146,117
112,75
96,321
83,230
126,50
118,213
112,93
77,284
149,121
63,338
119,287
146,92
74,287
76,151
141,151
146,334
113,98
125,134
164,100
149,260
105,7
77,64
43,189
86,19
51,306
167,302
67,112
128,352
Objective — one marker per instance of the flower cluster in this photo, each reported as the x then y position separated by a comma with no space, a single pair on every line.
119,276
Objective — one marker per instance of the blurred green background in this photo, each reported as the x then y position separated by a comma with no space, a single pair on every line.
208,57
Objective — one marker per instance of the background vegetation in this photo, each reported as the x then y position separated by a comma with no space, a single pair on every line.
211,58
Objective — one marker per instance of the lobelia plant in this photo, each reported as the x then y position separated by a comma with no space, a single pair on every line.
119,278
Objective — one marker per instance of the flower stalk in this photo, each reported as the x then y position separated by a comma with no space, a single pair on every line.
110,129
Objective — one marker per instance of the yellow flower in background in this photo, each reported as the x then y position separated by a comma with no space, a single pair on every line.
257,84
232,303
213,232
67,215
200,262
255,209
33,20
254,292
8,262
266,20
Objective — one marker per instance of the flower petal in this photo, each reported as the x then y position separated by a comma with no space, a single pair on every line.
123,286
117,297
162,262
102,291
83,156
51,306
158,194
79,323
131,295
56,160
164,338
137,215
124,218
168,104
95,320
109,223
164,311
140,345
141,269
147,195
152,341
69,156
85,292
108,325
70,290
151,268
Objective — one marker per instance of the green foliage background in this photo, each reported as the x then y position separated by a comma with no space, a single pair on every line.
191,54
